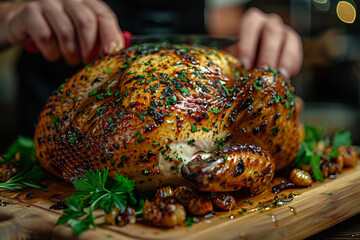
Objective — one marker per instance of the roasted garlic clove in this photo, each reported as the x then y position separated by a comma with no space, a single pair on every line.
300,177
200,206
223,200
332,166
349,155
164,192
171,215
115,217
184,195
7,170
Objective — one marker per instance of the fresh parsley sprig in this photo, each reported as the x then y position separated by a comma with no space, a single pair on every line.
94,191
30,173
308,154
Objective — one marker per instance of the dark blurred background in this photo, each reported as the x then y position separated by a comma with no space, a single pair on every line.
329,81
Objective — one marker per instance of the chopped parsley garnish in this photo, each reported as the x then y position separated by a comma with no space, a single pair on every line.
249,202
185,91
140,139
140,116
191,142
107,71
276,98
190,220
183,75
175,168
55,122
273,70
216,111
205,129
227,90
153,89
193,128
275,129
136,133
171,100
93,92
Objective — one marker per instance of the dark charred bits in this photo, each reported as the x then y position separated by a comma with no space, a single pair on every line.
282,186
256,130
29,195
58,206
240,168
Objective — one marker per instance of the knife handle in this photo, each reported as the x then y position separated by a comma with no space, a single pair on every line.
127,37
30,45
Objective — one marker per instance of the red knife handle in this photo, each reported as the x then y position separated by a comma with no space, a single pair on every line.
30,45
127,37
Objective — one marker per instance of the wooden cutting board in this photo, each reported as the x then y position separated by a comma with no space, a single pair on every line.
311,210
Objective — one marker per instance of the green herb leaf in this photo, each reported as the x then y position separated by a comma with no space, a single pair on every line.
93,92
30,173
55,122
193,128
171,100
140,116
24,146
342,138
315,166
216,111
333,154
96,190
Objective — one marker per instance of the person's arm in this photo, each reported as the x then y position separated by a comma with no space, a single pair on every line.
76,30
264,39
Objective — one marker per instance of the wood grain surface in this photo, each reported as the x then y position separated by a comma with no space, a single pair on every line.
311,211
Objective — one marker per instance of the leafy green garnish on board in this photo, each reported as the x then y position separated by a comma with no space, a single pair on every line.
29,172
308,154
24,146
342,138
95,191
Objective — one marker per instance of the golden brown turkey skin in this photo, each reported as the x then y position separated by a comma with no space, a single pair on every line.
146,111
231,169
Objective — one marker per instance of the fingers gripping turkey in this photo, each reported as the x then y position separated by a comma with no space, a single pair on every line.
152,112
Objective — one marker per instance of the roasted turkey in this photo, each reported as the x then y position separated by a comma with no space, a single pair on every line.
171,114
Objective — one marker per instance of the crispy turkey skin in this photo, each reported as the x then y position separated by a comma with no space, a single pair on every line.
148,110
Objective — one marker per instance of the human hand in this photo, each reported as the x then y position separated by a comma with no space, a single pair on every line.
76,30
264,40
